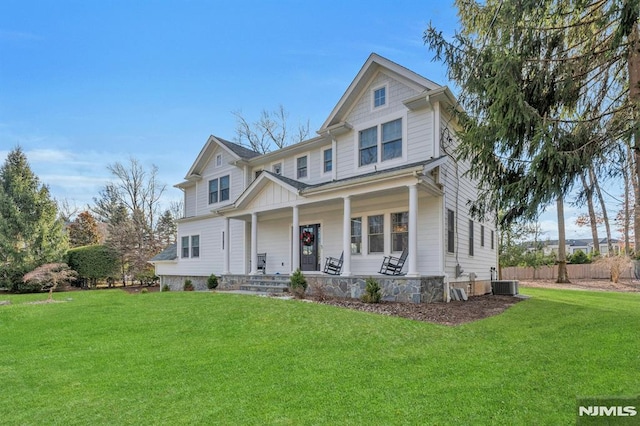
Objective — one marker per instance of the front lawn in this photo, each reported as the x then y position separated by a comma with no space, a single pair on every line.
108,357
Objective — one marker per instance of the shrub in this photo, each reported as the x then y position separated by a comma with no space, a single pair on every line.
93,262
47,277
615,264
188,285
372,292
144,291
166,287
298,284
579,258
212,282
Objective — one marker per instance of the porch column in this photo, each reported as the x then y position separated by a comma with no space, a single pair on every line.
226,249
346,237
412,258
295,240
254,243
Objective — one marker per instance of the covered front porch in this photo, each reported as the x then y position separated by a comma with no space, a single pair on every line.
291,226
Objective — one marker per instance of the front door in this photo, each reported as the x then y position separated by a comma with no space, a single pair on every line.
309,243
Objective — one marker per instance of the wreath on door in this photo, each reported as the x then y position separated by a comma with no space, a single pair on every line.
307,238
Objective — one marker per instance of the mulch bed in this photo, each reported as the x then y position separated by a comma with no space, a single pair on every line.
452,313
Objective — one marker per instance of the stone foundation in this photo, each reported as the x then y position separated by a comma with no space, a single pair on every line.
394,289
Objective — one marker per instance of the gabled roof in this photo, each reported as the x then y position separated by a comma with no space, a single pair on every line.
168,254
260,182
238,152
369,70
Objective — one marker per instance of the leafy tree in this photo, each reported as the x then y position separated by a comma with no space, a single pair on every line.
270,131
48,277
83,231
30,232
545,88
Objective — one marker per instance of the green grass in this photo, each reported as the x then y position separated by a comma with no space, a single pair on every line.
107,357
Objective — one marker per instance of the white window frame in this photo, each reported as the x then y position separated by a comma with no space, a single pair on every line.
277,165
386,97
324,164
308,167
379,162
219,160
219,189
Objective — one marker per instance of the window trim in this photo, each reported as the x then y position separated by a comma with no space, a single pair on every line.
375,89
195,253
218,160
218,189
324,160
392,232
355,238
471,238
306,167
451,231
378,162
370,234
182,247
481,235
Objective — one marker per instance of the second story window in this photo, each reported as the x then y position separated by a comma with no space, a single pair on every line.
277,168
327,160
368,146
392,139
301,167
219,189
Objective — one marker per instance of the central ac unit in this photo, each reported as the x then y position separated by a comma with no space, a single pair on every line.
505,287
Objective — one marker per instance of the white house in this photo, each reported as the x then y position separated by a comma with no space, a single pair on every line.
378,179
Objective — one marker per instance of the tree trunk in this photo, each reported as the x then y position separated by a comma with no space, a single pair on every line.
634,97
603,206
563,276
592,214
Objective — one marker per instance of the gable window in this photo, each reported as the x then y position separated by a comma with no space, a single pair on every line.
376,233
277,168
219,189
301,168
399,231
470,237
218,160
184,243
450,231
327,160
379,97
368,146
356,235
392,139
195,246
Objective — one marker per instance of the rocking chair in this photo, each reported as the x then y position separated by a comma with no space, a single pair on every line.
393,265
333,266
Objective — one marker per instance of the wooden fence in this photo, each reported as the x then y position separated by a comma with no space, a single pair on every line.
586,271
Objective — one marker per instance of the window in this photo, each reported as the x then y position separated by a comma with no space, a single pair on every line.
327,160
376,233
301,163
399,231
368,146
224,188
392,140
218,160
356,235
379,97
451,224
492,237
185,246
277,168
470,237
195,246
219,189
481,235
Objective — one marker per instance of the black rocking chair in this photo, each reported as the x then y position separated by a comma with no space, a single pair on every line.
393,265
262,262
333,266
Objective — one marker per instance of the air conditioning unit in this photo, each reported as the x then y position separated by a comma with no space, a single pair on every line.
505,287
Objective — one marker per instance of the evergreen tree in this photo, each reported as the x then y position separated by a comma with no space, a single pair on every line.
545,88
30,232
122,239
83,231
166,229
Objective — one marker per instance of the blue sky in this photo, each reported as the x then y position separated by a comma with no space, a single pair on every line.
84,84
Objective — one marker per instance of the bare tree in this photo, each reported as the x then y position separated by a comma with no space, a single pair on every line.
270,131
66,210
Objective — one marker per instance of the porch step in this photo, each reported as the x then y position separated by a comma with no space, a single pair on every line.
267,283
